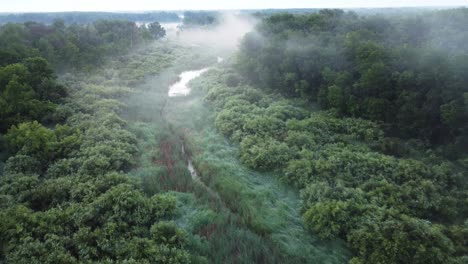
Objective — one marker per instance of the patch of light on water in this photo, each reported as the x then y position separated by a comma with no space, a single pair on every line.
181,88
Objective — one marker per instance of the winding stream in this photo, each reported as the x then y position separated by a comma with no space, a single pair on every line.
181,88
190,166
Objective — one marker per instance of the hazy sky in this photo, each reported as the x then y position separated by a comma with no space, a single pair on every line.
138,5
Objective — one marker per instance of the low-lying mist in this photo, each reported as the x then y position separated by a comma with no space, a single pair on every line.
224,36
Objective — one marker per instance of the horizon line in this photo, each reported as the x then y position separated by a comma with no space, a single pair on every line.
232,9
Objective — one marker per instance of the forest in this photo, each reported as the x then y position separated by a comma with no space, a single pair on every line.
408,73
383,165
88,17
324,136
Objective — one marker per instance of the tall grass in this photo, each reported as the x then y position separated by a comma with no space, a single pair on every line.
217,233
247,217
266,206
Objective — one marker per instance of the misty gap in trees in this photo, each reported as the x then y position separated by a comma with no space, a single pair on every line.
363,115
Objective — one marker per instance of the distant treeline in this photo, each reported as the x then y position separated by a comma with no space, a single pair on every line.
87,17
361,11
201,18
72,46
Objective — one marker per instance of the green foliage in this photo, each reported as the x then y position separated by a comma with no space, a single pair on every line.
398,69
329,219
102,210
59,19
73,46
168,233
28,91
386,207
263,221
40,143
401,239
65,196
200,18
156,30
263,153
22,163
31,139
164,205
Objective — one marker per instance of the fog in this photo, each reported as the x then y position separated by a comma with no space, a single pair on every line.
224,36
171,29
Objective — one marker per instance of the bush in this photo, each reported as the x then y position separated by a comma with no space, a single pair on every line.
22,164
264,153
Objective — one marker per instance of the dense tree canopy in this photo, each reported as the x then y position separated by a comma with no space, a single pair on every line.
404,70
156,30
365,115
28,91
73,46
65,196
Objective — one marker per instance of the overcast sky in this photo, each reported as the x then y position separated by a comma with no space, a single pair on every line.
140,5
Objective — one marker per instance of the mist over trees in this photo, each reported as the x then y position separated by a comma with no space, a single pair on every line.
156,30
30,52
74,46
408,72
64,194
385,167
200,18
324,136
